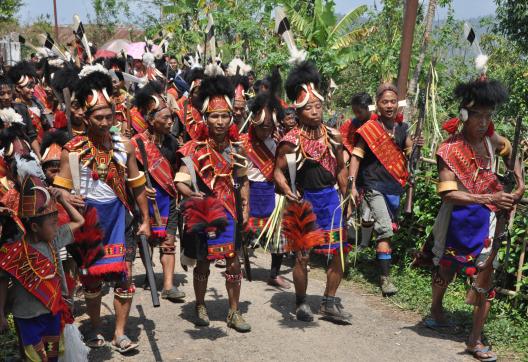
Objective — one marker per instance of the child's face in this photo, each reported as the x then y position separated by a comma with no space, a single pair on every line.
47,230
50,172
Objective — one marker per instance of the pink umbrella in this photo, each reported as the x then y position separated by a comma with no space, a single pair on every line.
136,50
102,53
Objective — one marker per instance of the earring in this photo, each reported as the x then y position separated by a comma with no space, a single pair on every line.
464,114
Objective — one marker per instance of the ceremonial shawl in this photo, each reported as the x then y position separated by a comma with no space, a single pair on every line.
40,93
348,132
137,120
90,155
459,156
37,123
21,266
159,167
386,150
313,149
120,107
214,170
191,120
259,154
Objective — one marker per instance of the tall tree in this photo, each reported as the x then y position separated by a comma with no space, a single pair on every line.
8,9
513,21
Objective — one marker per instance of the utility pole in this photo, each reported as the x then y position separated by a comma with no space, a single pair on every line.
409,21
56,21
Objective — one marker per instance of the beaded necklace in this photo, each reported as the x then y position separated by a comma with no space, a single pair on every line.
310,135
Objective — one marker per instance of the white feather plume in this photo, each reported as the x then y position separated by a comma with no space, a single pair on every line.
27,168
89,69
213,70
237,63
481,63
10,116
148,59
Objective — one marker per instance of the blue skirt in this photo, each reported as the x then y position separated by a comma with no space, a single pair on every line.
261,199
325,203
44,329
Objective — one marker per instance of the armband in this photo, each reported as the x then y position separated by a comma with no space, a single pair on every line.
506,150
137,181
183,178
63,182
444,186
359,152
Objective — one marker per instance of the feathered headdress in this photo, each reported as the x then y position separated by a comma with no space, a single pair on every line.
35,199
149,99
268,100
94,88
282,28
22,73
299,227
52,143
302,84
205,216
216,91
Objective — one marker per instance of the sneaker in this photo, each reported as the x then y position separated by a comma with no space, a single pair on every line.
202,319
387,288
237,322
304,313
333,311
173,294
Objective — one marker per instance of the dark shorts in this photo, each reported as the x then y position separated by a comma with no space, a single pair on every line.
131,239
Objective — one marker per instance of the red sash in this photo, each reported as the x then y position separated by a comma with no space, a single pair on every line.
259,154
314,149
207,166
116,174
15,262
386,150
460,158
159,167
193,118
137,120
348,132
37,123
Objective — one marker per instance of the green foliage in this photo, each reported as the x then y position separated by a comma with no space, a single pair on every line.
513,21
9,342
9,8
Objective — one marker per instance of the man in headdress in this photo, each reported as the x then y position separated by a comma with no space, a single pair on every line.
471,195
378,170
108,167
189,114
24,77
238,70
7,104
260,147
67,77
319,167
161,148
30,259
214,159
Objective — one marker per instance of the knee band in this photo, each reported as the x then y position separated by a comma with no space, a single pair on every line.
125,293
440,282
167,250
92,293
233,278
200,277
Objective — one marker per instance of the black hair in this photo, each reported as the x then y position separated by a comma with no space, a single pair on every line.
240,79
6,81
20,69
192,74
66,77
95,80
115,62
144,95
361,100
270,98
486,93
214,86
59,137
39,220
304,73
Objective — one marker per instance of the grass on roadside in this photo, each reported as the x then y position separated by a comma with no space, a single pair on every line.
506,329
9,343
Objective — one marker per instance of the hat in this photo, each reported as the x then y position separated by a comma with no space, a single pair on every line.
302,83
35,199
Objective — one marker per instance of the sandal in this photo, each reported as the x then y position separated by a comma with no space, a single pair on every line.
95,341
123,344
482,353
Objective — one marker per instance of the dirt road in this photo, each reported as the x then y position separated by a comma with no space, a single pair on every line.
378,333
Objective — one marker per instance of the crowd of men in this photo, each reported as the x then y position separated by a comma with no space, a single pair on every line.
228,164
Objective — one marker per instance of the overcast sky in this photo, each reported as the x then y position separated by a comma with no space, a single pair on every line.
67,8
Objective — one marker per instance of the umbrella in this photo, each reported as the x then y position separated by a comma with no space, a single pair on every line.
136,50
116,45
102,53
